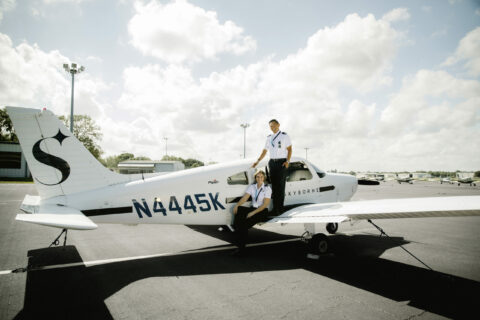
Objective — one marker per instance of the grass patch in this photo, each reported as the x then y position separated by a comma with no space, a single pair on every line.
15,180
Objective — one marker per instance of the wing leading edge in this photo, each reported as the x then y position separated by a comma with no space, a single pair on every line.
382,209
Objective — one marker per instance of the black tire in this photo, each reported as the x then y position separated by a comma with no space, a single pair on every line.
332,227
319,244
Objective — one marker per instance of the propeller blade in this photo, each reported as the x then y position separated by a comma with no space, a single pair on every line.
367,182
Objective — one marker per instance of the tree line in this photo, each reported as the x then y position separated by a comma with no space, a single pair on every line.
88,132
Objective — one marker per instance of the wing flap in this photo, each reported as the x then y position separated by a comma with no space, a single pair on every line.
382,209
308,219
58,217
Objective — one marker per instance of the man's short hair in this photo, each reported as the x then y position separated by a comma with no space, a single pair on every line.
273,120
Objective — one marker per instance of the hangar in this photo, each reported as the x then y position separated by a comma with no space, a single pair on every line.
12,161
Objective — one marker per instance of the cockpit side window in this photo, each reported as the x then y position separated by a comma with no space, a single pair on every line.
238,178
298,171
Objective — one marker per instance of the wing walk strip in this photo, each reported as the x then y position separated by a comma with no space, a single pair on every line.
107,261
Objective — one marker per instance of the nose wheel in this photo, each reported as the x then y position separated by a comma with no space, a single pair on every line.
332,227
319,244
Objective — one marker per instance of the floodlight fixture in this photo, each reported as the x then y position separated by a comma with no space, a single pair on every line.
72,69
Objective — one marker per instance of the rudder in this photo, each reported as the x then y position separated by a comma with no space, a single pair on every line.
58,161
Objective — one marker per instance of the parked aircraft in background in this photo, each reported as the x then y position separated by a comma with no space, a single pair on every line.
406,178
466,178
77,192
446,180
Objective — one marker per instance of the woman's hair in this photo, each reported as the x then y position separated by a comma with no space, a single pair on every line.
259,171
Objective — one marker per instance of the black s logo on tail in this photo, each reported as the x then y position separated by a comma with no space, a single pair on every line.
50,160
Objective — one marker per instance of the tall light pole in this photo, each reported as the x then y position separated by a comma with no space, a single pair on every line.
72,69
244,126
166,139
306,153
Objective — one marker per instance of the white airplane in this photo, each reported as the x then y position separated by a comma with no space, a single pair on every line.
446,180
77,192
466,177
407,178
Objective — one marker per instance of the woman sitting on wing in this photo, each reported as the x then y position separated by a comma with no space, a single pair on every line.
245,217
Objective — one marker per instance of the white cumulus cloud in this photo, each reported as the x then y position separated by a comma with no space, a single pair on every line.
34,78
181,32
6,5
468,51
432,122
64,1
399,14
302,91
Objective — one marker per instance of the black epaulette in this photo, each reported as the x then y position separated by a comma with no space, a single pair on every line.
269,135
284,132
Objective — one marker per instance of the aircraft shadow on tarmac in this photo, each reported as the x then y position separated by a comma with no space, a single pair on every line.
80,292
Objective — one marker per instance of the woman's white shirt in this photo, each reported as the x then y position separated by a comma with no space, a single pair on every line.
259,194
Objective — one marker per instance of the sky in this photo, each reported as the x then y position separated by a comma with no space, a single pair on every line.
358,85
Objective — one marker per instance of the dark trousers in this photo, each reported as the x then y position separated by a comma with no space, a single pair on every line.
278,177
241,224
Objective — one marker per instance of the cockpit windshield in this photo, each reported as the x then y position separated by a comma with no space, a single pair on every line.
320,172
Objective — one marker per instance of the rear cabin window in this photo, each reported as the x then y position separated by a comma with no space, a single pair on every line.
238,178
298,171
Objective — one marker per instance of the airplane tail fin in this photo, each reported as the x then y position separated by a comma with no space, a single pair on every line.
59,163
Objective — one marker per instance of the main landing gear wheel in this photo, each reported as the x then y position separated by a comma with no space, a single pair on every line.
332,227
319,244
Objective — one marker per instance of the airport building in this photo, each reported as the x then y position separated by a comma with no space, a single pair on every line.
421,175
12,161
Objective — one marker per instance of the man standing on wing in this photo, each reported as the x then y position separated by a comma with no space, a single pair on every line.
280,148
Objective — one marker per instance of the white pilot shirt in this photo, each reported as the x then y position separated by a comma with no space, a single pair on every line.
277,145
258,194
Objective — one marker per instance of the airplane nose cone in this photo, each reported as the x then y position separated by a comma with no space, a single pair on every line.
354,183
347,186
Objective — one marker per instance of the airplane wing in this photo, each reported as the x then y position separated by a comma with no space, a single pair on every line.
59,217
382,209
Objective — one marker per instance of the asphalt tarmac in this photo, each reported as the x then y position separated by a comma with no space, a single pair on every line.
186,272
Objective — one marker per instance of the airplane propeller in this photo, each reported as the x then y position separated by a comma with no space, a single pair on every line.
367,182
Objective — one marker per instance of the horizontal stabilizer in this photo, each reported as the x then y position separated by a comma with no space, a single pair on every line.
59,217
30,204
382,209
